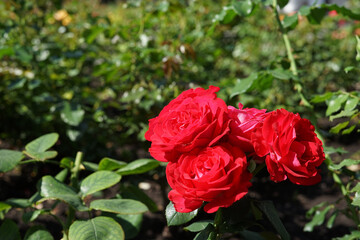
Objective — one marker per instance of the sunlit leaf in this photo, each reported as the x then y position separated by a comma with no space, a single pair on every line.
99,228
72,114
344,163
138,166
43,143
98,181
243,8
335,104
198,226
318,219
121,206
9,159
37,233
174,218
50,188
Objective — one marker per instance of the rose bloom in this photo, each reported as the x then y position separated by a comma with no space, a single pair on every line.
217,175
196,118
291,147
244,123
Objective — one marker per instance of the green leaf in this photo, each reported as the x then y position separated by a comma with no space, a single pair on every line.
318,219
99,228
342,10
350,104
290,22
43,143
175,218
356,188
267,207
262,82
9,230
335,104
354,235
72,114
207,234
131,224
356,199
61,176
198,226
121,206
343,113
243,85
282,74
344,163
322,98
38,233
90,166
98,181
4,206
330,150
9,51
133,192
258,215
18,202
67,162
304,10
348,130
339,127
282,3
9,159
243,8
332,218
42,156
110,164
17,83
91,34
251,166
36,149
348,69
138,166
31,216
316,15
50,188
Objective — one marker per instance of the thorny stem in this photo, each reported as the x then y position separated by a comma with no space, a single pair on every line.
290,55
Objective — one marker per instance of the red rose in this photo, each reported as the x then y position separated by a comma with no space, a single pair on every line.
291,147
244,123
196,118
217,175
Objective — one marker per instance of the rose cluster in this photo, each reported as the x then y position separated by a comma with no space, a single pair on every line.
208,144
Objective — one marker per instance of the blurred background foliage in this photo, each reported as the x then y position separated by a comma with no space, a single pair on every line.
96,71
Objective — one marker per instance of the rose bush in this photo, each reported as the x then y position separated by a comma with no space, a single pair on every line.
208,145
291,147
196,118
217,175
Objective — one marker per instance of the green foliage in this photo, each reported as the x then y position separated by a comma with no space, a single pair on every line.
174,218
98,181
9,159
74,196
99,228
